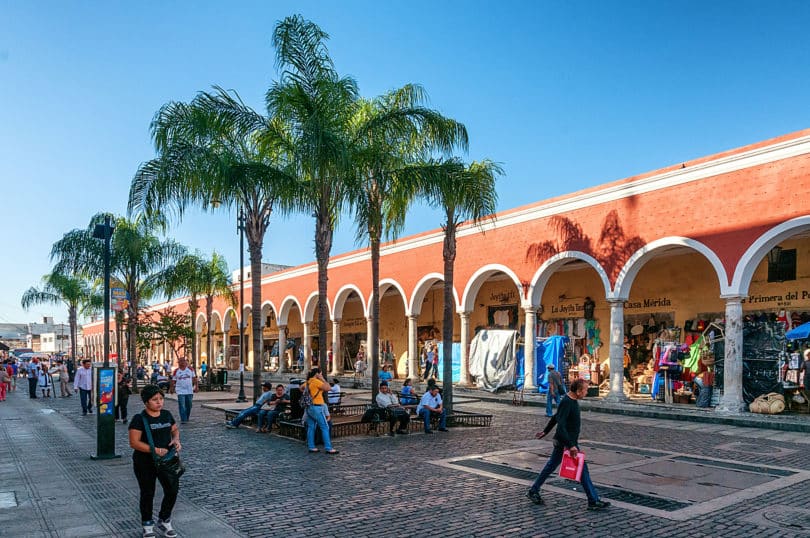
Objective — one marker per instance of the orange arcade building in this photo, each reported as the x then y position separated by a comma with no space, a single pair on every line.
714,250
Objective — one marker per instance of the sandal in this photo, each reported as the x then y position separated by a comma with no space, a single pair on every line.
333,451
314,450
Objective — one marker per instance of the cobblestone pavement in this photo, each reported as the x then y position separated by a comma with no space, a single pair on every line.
241,483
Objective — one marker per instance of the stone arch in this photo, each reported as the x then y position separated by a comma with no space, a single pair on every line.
230,313
621,290
548,268
751,258
477,280
200,323
340,300
286,305
421,289
384,285
267,308
311,307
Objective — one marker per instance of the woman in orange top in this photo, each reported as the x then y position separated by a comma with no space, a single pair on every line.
318,411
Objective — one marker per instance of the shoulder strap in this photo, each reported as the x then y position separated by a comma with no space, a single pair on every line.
148,431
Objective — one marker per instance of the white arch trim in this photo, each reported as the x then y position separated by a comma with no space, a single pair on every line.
477,280
384,285
420,292
621,291
216,317
341,297
753,256
546,271
226,319
267,307
286,305
311,307
201,322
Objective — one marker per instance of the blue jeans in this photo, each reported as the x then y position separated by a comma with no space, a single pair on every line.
251,411
184,403
549,400
426,413
269,415
316,418
554,462
86,397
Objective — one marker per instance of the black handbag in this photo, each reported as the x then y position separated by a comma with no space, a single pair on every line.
169,464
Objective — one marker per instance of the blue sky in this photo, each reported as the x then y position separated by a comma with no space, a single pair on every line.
565,95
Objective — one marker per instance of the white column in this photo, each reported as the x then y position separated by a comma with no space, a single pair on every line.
413,350
465,344
282,349
307,343
337,356
528,349
732,398
616,360
368,347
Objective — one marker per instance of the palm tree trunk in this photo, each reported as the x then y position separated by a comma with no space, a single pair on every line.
449,255
192,309
373,339
72,322
119,337
323,246
132,328
209,342
255,249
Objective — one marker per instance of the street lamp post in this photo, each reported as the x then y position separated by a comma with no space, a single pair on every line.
240,219
105,383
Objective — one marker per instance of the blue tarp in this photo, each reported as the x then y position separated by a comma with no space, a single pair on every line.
456,353
550,351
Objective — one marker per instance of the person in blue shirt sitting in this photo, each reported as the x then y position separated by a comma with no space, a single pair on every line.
254,409
407,395
385,375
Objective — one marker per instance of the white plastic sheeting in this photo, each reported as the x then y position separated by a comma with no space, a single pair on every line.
492,359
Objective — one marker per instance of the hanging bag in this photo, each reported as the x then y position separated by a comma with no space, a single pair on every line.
169,464
571,468
306,401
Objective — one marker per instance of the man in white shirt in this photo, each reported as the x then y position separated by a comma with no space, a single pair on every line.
396,413
184,384
83,383
431,405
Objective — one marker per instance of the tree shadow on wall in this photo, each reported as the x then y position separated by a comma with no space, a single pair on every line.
611,250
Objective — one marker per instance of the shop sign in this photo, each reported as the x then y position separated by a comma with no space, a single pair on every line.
502,297
653,302
567,309
778,300
353,323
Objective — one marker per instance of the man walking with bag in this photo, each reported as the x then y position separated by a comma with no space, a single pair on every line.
566,437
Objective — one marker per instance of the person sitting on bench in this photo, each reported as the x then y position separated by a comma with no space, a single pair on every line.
333,396
407,394
278,404
396,413
431,406
254,409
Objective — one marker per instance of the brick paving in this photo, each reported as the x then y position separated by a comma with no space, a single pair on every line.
241,483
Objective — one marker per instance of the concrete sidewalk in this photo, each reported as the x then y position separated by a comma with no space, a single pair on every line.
49,486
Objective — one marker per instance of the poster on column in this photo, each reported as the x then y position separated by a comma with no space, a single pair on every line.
106,390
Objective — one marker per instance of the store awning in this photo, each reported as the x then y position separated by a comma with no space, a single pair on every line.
801,332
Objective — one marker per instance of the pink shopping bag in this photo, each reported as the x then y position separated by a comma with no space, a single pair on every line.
571,468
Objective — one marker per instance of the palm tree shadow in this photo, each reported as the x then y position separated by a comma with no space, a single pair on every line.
611,250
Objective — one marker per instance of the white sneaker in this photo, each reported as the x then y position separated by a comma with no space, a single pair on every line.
149,530
165,527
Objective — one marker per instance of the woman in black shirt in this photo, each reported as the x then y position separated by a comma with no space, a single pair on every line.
165,435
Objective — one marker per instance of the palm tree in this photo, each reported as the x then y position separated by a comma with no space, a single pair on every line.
462,193
315,106
75,292
209,153
390,136
199,278
137,255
